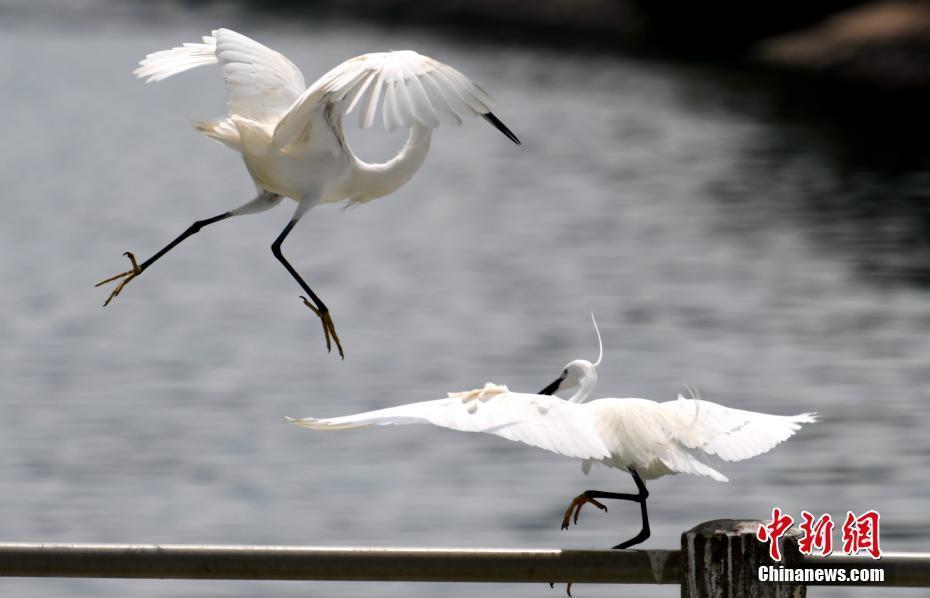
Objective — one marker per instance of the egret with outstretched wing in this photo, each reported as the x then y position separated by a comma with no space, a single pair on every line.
645,438
291,135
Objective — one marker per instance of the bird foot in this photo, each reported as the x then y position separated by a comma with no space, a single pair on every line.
126,276
568,588
329,329
639,538
578,502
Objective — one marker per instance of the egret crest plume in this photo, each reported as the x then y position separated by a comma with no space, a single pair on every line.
600,343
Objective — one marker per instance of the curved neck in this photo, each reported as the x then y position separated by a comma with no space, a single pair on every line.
378,180
585,387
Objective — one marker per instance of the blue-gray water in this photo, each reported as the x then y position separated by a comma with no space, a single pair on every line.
718,244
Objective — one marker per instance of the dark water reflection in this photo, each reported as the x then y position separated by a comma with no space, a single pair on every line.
726,234
873,199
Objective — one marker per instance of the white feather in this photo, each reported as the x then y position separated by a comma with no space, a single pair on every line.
732,434
409,87
165,63
261,84
265,87
654,438
538,420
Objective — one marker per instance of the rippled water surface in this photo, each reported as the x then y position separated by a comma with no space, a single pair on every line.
720,243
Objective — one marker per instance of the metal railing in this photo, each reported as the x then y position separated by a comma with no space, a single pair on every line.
715,555
174,561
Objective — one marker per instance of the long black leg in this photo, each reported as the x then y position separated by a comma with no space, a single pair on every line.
192,229
137,269
318,307
263,201
643,495
276,250
590,496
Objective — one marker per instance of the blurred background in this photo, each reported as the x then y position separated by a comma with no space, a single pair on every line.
738,191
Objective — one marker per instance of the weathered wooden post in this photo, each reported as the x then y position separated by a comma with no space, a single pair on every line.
721,559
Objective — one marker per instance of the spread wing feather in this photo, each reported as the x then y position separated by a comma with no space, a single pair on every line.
261,84
408,87
732,434
542,421
264,86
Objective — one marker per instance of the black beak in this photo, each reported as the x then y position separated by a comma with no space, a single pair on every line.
552,387
500,127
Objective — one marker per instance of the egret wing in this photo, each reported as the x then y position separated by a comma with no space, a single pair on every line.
167,63
732,434
538,420
408,88
261,84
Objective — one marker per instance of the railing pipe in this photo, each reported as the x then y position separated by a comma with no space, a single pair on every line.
348,564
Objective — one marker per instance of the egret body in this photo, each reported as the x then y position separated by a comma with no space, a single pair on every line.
291,136
645,438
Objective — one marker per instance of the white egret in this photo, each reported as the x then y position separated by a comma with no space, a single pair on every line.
291,137
646,438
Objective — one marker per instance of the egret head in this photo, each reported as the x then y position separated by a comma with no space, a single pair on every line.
581,373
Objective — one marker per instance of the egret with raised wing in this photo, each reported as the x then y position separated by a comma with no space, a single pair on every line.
291,136
645,438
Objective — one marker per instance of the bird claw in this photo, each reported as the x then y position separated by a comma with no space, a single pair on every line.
126,276
329,329
578,502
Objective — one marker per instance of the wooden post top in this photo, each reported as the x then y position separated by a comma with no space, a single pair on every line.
721,559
